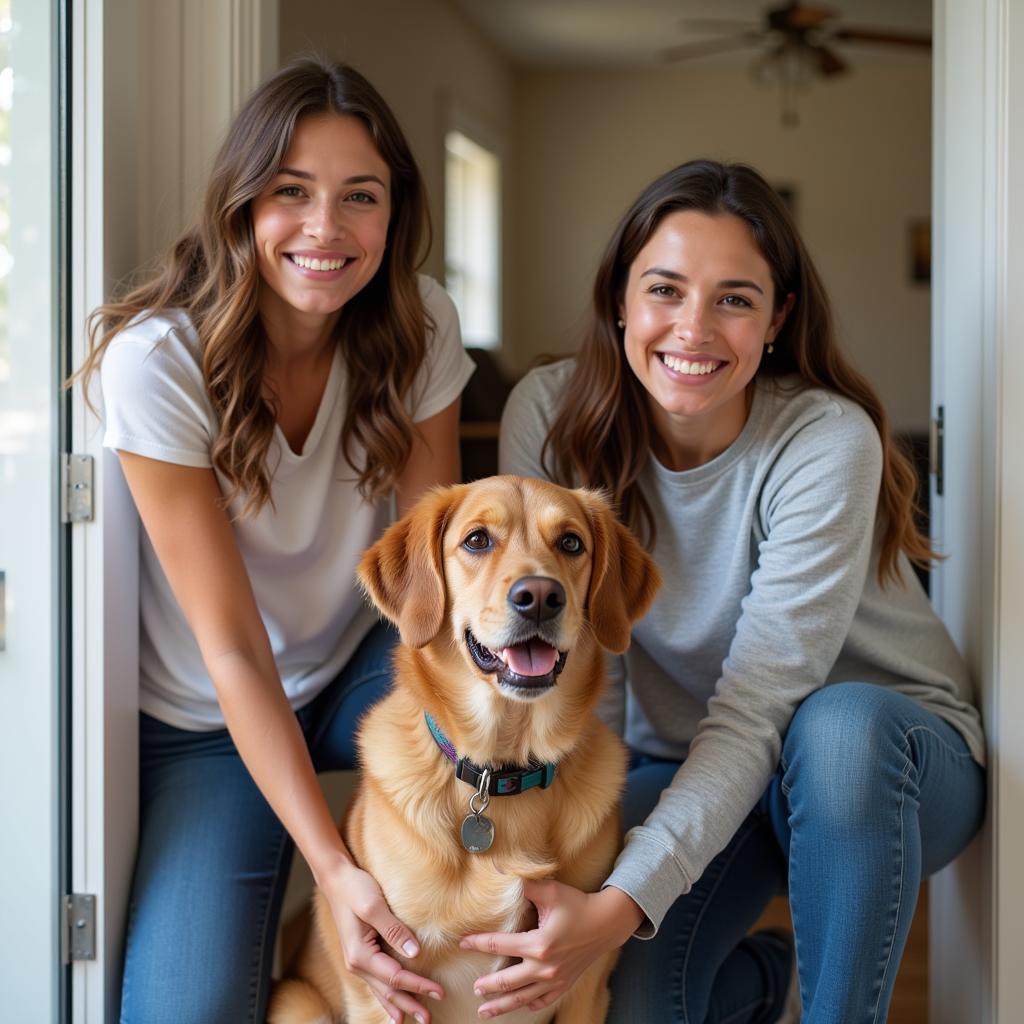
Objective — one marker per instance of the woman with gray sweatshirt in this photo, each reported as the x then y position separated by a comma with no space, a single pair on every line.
797,715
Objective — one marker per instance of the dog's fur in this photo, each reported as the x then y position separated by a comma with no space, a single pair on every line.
404,824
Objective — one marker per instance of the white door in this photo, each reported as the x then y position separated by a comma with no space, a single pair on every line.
32,799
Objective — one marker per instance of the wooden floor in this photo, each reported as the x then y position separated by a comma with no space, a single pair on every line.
910,998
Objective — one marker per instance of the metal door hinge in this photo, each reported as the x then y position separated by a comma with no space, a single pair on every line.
78,935
937,448
76,489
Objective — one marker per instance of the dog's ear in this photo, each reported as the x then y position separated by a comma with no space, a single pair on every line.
404,571
623,577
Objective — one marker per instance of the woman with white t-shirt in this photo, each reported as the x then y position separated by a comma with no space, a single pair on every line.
273,387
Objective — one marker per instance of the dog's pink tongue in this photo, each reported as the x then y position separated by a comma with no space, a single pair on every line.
534,658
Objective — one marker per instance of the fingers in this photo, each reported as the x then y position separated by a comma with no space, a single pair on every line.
521,985
390,972
363,919
512,1001
366,958
397,1003
390,929
519,944
388,978
539,890
384,994
507,980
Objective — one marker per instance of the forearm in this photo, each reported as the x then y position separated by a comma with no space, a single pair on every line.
623,915
697,814
271,744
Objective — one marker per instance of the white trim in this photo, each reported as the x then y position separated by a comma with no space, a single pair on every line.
1007,721
104,581
977,910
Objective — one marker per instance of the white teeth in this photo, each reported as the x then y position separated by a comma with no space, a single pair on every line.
685,366
308,263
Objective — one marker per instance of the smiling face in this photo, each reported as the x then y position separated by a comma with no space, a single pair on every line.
321,226
699,307
517,562
505,591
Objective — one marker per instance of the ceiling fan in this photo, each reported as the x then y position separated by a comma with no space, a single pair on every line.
797,43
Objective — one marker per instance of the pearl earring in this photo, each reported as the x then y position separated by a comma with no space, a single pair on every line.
621,323
771,348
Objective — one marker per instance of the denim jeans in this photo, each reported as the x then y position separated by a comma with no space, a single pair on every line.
873,793
213,859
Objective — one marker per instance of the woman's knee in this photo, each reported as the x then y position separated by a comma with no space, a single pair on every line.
845,748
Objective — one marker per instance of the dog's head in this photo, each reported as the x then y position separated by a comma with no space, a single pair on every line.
513,574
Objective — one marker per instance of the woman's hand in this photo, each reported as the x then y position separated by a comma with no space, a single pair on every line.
363,918
573,929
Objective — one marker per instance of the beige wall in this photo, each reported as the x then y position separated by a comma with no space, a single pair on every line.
860,160
579,145
425,59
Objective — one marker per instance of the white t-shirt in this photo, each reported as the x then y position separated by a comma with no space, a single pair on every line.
301,553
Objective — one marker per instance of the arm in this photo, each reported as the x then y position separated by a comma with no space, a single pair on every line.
435,400
815,526
191,534
434,458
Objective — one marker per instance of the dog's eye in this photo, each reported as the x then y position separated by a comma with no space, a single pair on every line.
478,540
571,544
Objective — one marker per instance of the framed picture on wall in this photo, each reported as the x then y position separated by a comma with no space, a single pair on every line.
787,193
919,240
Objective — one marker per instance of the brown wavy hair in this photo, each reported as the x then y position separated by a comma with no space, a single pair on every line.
211,274
602,433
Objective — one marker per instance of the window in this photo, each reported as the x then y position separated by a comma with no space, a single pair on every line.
472,238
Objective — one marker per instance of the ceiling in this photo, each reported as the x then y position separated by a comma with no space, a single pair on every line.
632,33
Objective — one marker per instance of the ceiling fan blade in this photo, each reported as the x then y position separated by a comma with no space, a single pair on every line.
718,24
711,46
798,17
828,61
883,36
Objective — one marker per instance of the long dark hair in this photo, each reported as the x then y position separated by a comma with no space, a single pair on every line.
602,433
211,273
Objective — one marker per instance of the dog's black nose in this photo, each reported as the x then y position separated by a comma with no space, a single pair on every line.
538,598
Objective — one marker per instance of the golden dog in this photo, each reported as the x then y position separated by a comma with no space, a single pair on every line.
505,591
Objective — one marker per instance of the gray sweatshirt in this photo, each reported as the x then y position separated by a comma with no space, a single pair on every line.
769,555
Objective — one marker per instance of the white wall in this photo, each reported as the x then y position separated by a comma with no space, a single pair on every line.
588,141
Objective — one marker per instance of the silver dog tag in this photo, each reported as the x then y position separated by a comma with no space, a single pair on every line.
477,833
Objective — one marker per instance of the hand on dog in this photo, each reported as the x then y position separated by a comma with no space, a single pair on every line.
573,929
363,919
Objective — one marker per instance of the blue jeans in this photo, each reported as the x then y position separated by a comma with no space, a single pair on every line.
213,859
873,793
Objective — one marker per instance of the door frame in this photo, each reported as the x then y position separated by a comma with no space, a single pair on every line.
977,312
